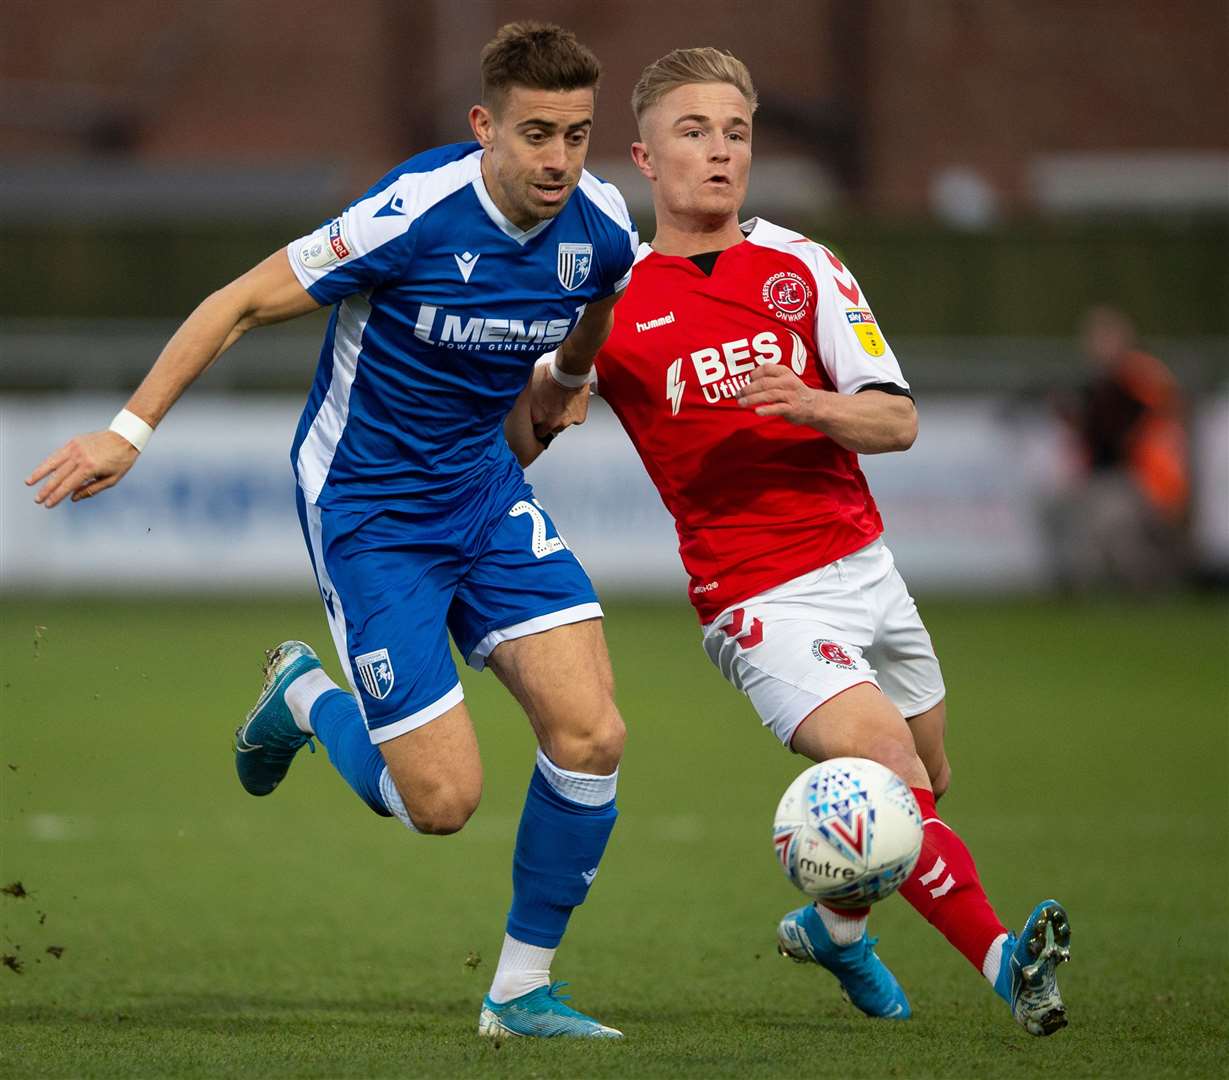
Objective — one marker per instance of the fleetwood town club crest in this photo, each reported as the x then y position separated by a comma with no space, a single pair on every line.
375,672
786,295
829,652
573,264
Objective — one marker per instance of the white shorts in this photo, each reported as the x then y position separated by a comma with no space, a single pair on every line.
794,647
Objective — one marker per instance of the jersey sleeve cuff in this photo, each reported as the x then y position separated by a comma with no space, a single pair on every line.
300,271
892,388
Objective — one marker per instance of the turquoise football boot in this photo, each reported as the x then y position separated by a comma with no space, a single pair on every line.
1028,979
864,978
540,1014
267,741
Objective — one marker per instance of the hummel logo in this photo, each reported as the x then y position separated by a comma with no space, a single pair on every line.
653,324
589,875
466,264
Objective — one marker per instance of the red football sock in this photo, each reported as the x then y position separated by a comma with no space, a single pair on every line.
945,890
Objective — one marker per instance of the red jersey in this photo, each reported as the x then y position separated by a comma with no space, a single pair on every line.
756,500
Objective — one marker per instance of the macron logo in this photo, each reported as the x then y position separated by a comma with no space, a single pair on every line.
466,264
589,875
653,324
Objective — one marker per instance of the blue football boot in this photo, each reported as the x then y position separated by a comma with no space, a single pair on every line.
1028,979
864,978
540,1014
267,741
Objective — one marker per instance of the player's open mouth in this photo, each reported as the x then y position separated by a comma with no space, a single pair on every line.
718,179
550,192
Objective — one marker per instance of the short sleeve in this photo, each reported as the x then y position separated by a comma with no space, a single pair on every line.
621,240
851,345
366,245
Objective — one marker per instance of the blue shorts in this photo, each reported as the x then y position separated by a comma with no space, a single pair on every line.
396,581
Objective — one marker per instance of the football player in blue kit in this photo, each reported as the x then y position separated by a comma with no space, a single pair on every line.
448,279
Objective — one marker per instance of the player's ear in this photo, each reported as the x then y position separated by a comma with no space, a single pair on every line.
643,160
482,123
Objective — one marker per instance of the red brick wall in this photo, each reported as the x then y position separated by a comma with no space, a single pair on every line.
920,83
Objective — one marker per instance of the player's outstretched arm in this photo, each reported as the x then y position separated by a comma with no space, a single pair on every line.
88,464
562,399
871,422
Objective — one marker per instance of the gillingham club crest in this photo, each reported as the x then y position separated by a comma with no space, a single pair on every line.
573,264
375,671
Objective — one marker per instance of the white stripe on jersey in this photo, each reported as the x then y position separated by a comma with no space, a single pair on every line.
609,200
846,361
362,228
316,453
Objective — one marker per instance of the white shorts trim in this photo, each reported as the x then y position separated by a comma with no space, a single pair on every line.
539,623
417,719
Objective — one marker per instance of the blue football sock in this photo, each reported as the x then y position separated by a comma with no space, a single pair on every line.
339,725
558,847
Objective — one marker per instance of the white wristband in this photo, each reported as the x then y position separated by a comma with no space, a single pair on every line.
131,427
566,378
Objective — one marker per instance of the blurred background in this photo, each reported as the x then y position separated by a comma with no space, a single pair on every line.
1035,195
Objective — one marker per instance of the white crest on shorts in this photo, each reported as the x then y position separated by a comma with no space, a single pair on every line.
375,671
573,265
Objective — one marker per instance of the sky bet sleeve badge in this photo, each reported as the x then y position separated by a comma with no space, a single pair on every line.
863,323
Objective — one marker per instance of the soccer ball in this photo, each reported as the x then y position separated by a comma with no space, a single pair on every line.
848,832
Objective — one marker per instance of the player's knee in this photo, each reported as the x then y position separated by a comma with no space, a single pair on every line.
902,759
445,811
597,748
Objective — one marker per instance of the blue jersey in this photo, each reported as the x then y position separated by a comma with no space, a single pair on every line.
442,306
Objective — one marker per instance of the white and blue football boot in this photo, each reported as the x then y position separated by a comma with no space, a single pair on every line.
267,741
1028,979
540,1014
864,978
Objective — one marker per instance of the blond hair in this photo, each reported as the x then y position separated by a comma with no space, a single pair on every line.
684,67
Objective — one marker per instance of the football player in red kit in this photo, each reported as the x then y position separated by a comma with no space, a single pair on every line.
748,369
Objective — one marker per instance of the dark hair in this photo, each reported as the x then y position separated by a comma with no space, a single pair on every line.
539,56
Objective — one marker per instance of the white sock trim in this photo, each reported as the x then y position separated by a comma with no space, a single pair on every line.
993,962
584,788
522,968
842,929
392,800
304,692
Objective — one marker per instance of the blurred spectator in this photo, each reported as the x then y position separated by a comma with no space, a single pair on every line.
1122,518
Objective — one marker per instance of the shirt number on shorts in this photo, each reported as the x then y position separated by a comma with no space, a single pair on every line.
542,544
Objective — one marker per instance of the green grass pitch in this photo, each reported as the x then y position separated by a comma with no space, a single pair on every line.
206,933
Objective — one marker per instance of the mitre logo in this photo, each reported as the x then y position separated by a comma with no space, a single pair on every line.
786,295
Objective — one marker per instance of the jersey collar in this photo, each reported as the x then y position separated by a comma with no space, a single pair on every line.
747,228
513,232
